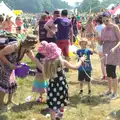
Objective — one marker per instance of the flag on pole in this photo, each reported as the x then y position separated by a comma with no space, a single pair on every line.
90,11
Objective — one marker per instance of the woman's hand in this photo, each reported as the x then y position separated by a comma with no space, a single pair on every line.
13,67
113,49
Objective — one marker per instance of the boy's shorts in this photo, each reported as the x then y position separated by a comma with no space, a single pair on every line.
83,76
64,46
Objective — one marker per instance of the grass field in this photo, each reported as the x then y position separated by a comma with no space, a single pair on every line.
95,108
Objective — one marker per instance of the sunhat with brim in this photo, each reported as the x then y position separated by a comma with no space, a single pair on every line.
52,51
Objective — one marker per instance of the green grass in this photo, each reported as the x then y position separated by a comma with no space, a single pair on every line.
95,108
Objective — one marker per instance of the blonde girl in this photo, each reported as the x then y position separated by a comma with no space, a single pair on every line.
57,94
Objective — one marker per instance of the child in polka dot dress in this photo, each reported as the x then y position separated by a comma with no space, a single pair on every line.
57,94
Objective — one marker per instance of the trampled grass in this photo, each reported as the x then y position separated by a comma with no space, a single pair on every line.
95,107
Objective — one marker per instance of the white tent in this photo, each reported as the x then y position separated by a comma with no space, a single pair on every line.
6,11
117,12
110,6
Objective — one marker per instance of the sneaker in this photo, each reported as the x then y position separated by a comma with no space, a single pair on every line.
59,116
107,93
89,92
81,92
114,96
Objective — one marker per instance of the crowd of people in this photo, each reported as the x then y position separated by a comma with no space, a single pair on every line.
56,33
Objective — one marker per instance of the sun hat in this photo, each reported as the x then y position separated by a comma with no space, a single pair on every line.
53,51
50,50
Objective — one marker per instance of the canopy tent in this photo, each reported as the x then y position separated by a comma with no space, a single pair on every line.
110,6
17,12
115,11
6,11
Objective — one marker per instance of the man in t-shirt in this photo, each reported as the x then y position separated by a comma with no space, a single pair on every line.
64,33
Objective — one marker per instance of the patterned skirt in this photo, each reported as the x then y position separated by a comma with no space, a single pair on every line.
7,82
57,95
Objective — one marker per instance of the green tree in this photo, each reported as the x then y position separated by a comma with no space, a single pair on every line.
86,5
35,6
106,3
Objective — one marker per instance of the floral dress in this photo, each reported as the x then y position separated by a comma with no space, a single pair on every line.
57,91
7,75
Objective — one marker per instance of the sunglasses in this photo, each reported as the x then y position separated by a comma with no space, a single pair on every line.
105,20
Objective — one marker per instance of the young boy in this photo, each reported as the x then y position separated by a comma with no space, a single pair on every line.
84,72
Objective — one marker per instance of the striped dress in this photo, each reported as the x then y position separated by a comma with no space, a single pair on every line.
110,40
40,84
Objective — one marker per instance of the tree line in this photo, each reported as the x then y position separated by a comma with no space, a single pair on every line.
36,6
94,5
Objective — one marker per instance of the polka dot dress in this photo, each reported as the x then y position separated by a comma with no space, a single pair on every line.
57,91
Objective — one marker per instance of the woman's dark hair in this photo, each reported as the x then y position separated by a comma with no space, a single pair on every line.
74,20
64,13
1,18
47,12
99,20
56,12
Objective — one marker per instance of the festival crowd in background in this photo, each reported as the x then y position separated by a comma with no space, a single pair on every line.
97,34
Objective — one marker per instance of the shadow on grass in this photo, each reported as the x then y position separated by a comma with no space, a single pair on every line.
25,106
3,117
115,115
88,100
44,111
94,82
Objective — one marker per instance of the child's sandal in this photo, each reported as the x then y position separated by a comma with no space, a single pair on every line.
40,100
